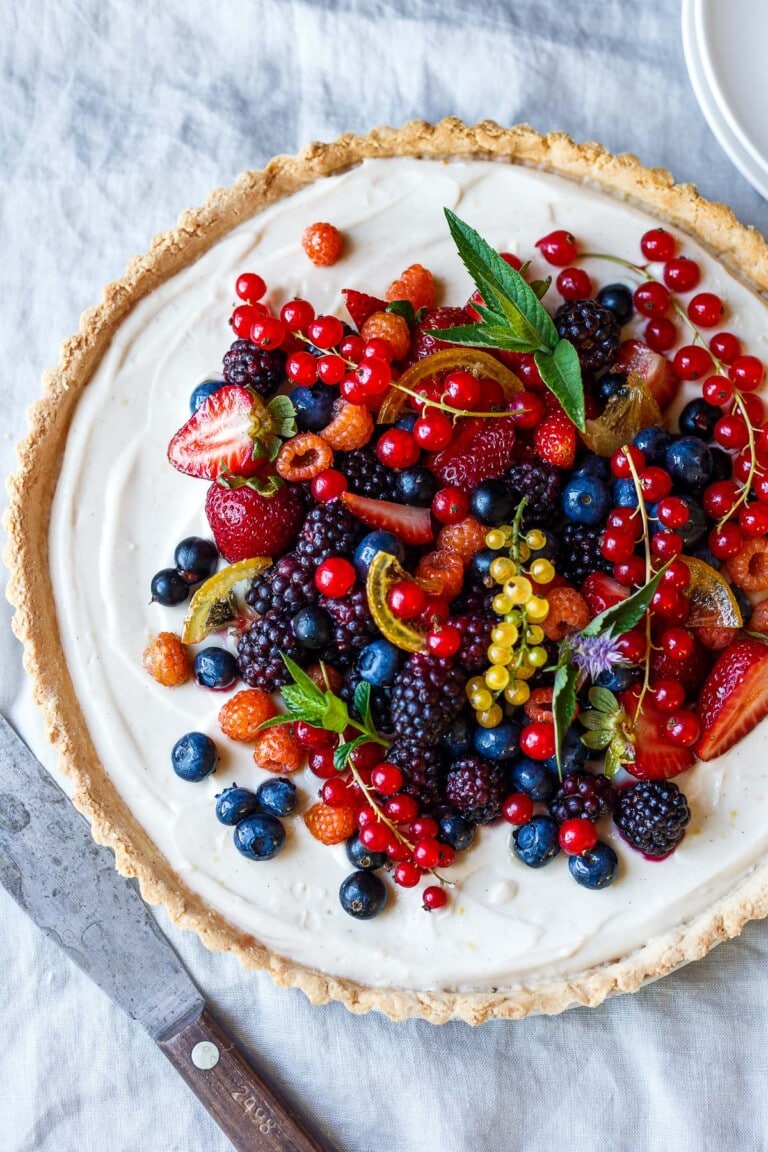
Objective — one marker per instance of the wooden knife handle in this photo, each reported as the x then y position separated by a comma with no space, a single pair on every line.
254,1116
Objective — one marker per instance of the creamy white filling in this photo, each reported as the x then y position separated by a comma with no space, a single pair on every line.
120,509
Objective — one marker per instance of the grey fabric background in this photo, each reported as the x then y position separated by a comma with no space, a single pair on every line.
114,117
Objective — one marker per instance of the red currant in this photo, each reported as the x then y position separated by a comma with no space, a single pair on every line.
433,431
401,809
731,431
717,390
577,836
250,287
335,577
407,874
725,346
726,542
297,314
436,611
681,274
669,694
630,572
742,466
444,641
434,897
747,373
692,362
310,737
673,512
517,808
617,545
620,465
705,309
268,332
397,449
243,319
682,728
719,498
753,519
529,373
424,826
632,646
526,410
351,347
666,545
667,603
677,643
301,368
378,349
375,376
366,757
336,793
406,600
375,837
655,484
328,485
366,816
754,408
426,852
558,248
461,389
660,334
386,779
626,520
658,244
326,332
652,298
574,284
321,763
331,369
537,740
450,505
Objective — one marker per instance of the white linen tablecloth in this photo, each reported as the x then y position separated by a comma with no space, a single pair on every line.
115,116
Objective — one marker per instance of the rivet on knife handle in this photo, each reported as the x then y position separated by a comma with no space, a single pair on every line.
244,1105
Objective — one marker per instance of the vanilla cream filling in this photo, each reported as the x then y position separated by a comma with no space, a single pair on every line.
120,508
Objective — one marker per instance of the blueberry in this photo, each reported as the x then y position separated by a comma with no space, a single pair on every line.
573,754
195,559
480,567
618,678
416,486
536,843
594,465
277,796
457,741
363,895
610,385
625,493
234,804
312,627
215,668
689,463
533,778
201,393
491,502
696,527
371,544
653,443
362,857
194,756
259,837
596,868
379,662
586,500
314,406
703,553
168,588
407,421
698,418
456,831
617,298
721,464
499,743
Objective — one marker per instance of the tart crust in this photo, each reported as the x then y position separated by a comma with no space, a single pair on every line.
27,520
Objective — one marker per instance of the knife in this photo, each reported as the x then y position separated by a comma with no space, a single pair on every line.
69,886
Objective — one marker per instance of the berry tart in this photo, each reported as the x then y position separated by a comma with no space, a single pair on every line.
389,550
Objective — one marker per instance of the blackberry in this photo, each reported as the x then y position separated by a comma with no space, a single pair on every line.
580,553
421,769
252,367
476,789
582,795
353,626
329,530
540,485
427,696
381,702
365,473
594,332
652,816
475,637
285,588
259,648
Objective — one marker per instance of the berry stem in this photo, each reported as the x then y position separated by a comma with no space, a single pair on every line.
455,412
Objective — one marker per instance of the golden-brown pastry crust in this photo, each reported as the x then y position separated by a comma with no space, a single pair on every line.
27,520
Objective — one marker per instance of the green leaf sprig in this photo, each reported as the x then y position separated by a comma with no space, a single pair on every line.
514,319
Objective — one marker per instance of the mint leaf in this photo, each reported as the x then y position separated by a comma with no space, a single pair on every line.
563,705
403,308
477,336
300,706
362,701
561,372
624,616
540,287
275,721
344,751
300,678
335,717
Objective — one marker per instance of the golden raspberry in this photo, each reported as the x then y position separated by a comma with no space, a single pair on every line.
390,327
243,713
330,825
446,568
466,537
749,568
275,750
568,612
334,681
351,427
415,284
322,243
167,660
303,457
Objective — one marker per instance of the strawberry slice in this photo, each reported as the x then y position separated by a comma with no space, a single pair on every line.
734,697
360,305
656,757
220,437
654,370
412,525
602,592
482,450
246,523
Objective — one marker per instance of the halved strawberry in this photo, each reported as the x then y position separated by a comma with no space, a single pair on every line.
555,440
482,450
360,305
412,525
734,697
221,436
654,370
601,592
656,757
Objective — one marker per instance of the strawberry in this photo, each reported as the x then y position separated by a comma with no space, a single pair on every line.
224,435
424,343
601,592
361,306
246,523
412,525
656,758
482,450
653,369
691,672
555,440
734,697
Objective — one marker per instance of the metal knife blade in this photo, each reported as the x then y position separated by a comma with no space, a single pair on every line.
69,886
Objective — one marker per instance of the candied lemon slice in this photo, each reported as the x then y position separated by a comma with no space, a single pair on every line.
440,363
711,599
382,574
214,604
623,418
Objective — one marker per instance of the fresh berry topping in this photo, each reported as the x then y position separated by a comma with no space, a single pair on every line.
558,248
580,553
601,592
617,298
537,842
415,285
596,868
167,660
427,696
681,274
275,750
256,368
363,894
425,341
330,530
593,331
734,697
411,525
655,370
582,795
242,715
234,804
655,758
361,306
244,523
475,788
352,625
652,817
554,440
168,587
194,756
259,648
222,435
330,825
483,450
322,243
658,244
